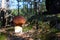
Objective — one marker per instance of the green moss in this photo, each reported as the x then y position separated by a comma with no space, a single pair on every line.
27,28
2,37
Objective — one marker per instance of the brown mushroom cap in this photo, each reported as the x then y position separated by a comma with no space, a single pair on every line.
19,20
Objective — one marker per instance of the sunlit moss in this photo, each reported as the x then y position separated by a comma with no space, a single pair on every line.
3,37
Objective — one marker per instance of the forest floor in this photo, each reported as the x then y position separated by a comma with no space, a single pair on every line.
24,36
12,36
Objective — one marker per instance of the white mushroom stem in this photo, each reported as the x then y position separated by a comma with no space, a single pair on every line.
18,29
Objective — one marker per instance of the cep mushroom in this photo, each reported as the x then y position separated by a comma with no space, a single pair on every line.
18,22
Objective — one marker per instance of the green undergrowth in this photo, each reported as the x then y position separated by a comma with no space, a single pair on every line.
25,29
2,36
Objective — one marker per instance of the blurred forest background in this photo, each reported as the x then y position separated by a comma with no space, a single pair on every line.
33,10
